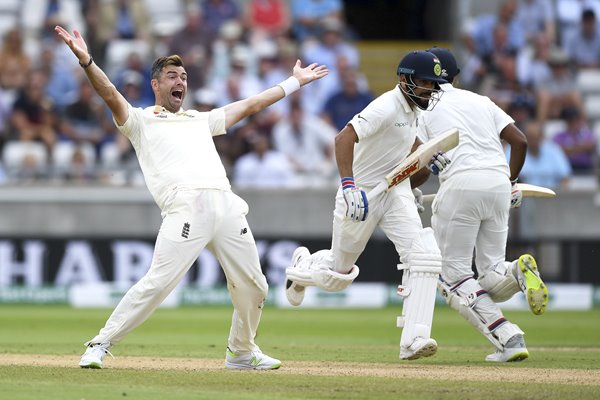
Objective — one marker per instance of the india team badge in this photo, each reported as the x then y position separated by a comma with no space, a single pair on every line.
437,68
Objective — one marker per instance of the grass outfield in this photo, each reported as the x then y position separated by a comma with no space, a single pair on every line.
326,354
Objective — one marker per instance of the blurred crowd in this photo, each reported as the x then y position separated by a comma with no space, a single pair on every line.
538,59
54,128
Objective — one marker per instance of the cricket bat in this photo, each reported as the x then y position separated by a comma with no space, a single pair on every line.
416,160
527,190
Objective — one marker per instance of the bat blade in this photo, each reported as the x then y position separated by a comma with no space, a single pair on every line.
527,189
535,191
418,159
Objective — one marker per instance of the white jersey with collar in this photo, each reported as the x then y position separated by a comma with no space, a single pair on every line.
479,121
176,150
386,131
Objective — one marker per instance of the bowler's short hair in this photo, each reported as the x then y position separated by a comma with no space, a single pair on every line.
162,62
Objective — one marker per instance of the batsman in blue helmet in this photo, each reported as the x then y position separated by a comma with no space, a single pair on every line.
368,148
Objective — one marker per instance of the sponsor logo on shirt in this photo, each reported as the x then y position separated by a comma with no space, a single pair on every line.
185,232
401,124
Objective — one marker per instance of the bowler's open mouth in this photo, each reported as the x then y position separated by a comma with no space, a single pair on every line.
177,93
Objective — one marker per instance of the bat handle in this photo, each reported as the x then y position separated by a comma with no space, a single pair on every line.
428,198
377,190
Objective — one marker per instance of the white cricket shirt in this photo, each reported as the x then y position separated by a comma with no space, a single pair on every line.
386,133
177,150
479,122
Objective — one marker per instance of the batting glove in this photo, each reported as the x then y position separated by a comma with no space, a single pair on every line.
357,205
419,200
516,196
438,162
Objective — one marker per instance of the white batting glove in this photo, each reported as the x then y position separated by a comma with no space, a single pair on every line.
357,205
438,162
516,196
419,200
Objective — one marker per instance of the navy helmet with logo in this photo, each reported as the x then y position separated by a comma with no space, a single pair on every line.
449,66
421,65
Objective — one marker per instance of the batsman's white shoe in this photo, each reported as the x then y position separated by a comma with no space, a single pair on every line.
94,355
531,284
514,350
293,291
420,348
254,360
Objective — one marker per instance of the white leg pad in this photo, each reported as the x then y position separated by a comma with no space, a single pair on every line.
323,278
419,281
500,282
462,306
476,306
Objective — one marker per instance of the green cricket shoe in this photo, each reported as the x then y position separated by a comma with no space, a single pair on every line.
532,285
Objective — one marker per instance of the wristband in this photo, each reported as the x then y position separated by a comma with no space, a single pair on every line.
348,182
84,66
290,85
514,181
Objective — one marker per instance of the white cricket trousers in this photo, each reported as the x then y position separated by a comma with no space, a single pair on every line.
394,212
192,220
471,211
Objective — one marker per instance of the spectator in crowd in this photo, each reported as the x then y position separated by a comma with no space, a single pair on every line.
43,15
241,81
560,91
270,71
331,46
522,110
493,73
80,170
33,116
193,44
266,19
62,86
205,99
568,16
307,16
86,120
132,88
578,142
230,36
479,36
118,20
218,12
314,100
32,169
350,100
124,19
545,163
263,167
535,17
135,66
532,67
583,47
307,141
15,67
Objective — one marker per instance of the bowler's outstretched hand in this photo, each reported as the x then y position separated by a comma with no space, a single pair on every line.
75,43
310,73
